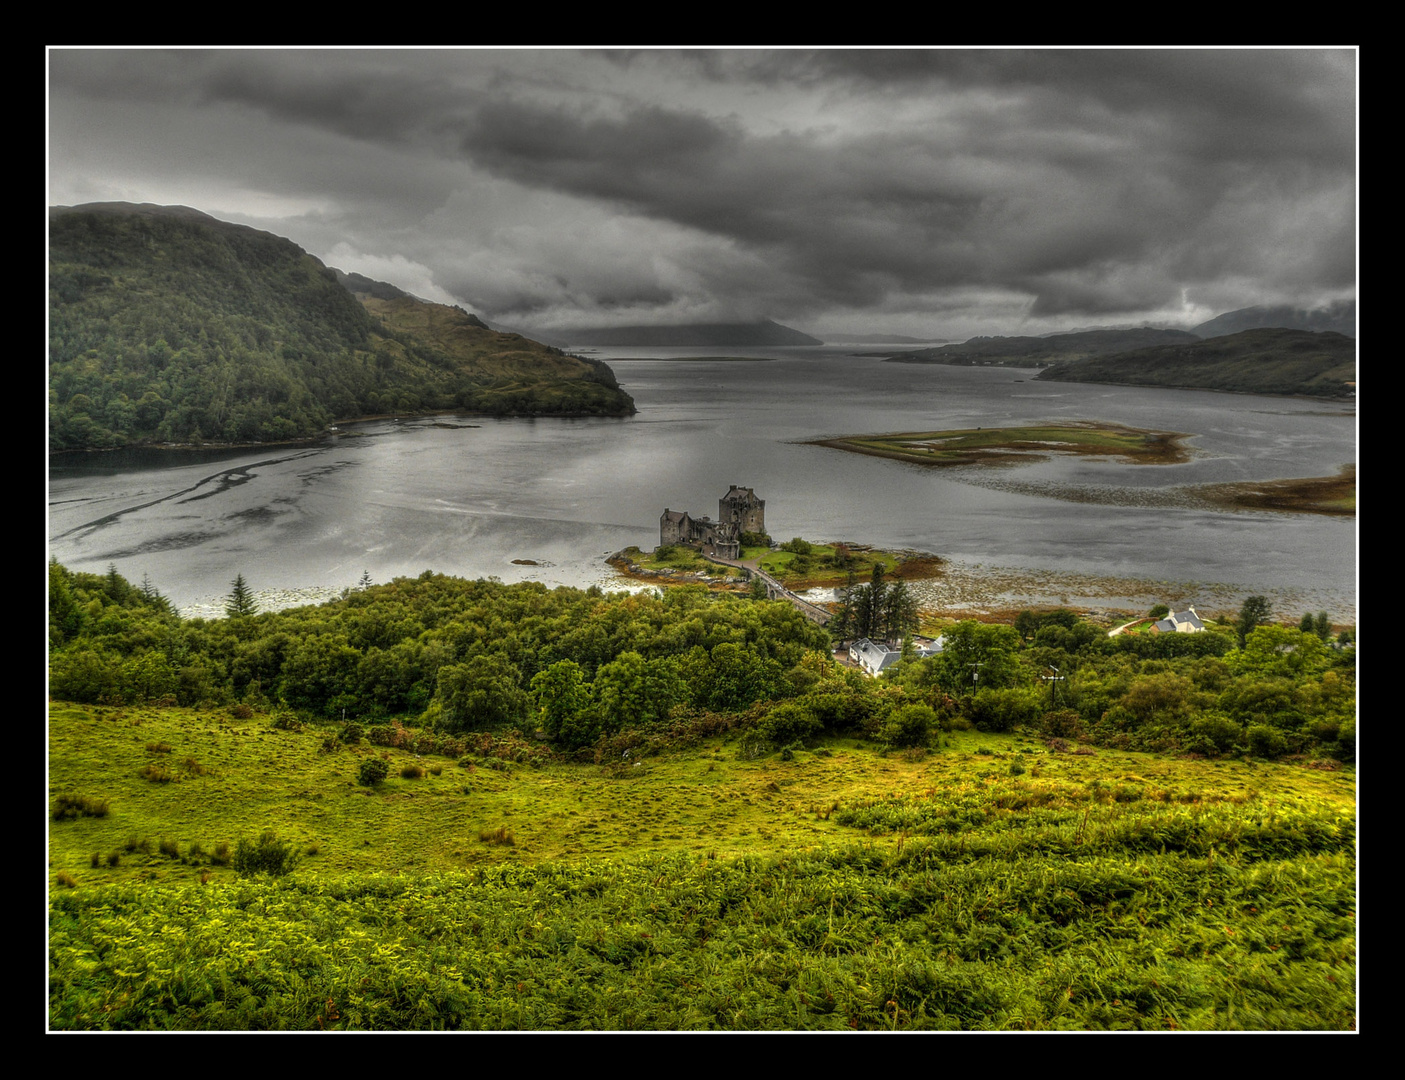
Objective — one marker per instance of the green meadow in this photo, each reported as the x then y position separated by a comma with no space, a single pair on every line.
989,882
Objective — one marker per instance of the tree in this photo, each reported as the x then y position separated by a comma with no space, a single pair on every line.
899,611
240,600
483,692
563,698
1255,611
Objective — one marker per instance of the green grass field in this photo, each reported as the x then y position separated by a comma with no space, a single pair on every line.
989,883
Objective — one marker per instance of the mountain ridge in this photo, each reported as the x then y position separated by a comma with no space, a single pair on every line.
170,326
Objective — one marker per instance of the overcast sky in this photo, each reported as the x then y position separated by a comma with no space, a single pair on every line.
937,193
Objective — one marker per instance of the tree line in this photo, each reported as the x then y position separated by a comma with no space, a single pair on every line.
583,667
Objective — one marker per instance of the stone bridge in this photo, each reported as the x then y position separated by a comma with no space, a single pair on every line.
776,591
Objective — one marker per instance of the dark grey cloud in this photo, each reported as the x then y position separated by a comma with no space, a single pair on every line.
805,185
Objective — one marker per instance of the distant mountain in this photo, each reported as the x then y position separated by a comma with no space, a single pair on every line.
168,325
733,334
1262,361
1039,351
1339,318
882,339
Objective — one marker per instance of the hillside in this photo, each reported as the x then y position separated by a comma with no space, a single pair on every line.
1339,318
169,326
1039,351
438,803
1255,361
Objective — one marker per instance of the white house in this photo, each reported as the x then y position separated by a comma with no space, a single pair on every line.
1180,622
877,657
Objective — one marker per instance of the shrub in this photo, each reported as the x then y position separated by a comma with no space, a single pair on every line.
76,806
170,848
1213,734
789,723
158,748
241,712
372,772
64,878
157,774
143,845
499,837
1000,710
1062,724
1266,741
910,726
266,855
222,855
114,859
411,772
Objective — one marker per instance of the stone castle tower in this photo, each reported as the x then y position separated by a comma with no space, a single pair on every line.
741,507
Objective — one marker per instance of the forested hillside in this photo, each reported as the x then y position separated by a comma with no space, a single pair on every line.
166,325
1253,362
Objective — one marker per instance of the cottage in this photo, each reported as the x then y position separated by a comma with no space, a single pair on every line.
873,657
1179,622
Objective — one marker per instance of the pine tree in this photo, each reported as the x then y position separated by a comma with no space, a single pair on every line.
240,600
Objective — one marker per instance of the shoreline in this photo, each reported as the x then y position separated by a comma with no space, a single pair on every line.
311,440
961,590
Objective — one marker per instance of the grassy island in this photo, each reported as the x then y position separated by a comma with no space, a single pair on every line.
797,564
1332,495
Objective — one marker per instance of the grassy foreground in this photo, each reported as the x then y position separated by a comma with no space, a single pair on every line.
990,884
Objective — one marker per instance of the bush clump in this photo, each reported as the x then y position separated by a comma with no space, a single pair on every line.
266,855
372,772
910,726
76,806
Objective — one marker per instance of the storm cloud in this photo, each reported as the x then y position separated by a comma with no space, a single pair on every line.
937,192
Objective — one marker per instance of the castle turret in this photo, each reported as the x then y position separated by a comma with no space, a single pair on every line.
741,507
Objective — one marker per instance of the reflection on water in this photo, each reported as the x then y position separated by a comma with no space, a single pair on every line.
399,497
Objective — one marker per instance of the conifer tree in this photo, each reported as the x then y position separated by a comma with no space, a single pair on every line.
240,600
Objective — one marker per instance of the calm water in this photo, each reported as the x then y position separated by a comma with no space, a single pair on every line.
467,496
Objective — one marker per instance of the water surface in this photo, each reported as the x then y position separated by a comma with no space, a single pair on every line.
468,496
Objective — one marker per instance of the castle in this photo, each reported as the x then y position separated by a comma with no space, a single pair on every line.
738,511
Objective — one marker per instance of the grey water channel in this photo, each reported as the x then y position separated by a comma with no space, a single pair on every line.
548,499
